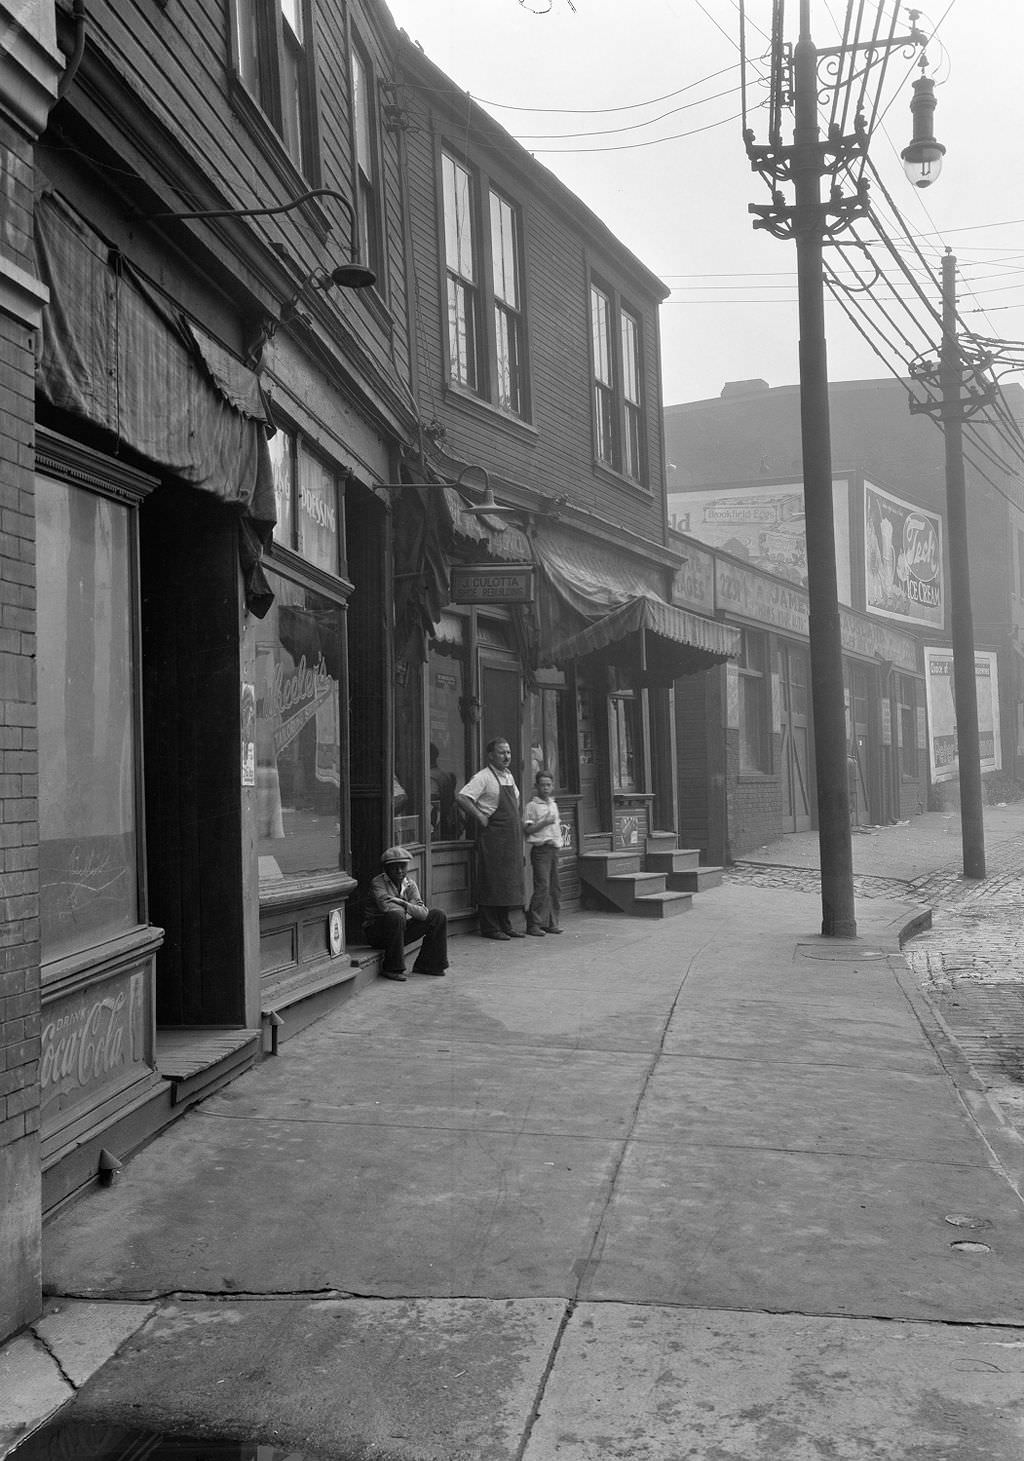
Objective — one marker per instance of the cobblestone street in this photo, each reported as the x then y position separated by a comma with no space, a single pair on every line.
970,964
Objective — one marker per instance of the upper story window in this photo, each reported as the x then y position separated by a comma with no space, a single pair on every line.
367,183
483,267
275,65
616,346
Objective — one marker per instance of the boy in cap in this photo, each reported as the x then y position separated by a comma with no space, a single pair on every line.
396,914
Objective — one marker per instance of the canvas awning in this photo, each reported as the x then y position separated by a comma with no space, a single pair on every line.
657,640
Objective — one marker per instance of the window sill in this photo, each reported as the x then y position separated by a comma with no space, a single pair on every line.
462,399
311,888
602,469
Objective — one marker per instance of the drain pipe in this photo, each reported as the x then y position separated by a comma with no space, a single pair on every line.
74,60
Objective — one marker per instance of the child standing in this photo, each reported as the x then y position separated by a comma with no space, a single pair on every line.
543,827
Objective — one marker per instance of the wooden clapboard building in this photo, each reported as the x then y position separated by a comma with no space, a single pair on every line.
550,622
223,388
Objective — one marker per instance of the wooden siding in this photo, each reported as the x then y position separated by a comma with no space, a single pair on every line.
156,86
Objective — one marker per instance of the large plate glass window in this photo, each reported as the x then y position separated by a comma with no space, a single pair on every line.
446,687
299,647
88,806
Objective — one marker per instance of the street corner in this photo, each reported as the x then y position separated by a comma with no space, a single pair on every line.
423,1378
42,1368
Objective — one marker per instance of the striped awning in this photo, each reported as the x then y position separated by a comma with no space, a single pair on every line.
659,640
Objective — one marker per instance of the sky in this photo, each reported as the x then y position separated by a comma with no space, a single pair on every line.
544,67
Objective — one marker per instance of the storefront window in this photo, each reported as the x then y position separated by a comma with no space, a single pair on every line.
625,738
446,689
86,688
753,684
909,755
308,503
549,735
409,824
298,732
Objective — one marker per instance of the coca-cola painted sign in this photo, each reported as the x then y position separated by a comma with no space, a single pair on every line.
94,1038
902,560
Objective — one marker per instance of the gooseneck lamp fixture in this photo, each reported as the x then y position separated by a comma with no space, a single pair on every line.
351,275
487,506
922,158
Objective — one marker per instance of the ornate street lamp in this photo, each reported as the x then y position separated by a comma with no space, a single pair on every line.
922,158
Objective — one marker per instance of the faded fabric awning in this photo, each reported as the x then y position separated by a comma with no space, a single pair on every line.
659,641
115,353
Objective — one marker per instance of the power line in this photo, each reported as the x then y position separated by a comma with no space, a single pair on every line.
505,106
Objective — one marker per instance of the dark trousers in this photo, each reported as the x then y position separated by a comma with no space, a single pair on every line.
391,932
546,903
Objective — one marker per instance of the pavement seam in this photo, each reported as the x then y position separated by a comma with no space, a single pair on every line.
582,1266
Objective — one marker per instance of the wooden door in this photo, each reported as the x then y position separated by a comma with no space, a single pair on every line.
859,743
797,782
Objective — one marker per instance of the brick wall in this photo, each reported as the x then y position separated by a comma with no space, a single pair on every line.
19,826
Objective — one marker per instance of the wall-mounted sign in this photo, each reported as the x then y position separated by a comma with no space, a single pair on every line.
942,742
902,559
492,583
335,932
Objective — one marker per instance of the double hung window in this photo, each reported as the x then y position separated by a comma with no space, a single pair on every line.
617,359
274,63
483,272
367,184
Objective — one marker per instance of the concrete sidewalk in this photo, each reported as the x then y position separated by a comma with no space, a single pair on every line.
696,1188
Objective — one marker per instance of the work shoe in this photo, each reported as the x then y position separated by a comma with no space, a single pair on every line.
514,933
553,928
437,972
393,974
498,935
535,932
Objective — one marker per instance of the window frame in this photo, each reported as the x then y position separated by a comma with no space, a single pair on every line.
369,199
495,376
619,422
260,87
290,544
78,467
754,693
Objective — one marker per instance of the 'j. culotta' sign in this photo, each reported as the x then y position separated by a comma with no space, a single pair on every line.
492,583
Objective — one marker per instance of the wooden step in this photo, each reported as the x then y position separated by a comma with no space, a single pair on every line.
662,905
695,879
673,860
638,884
607,864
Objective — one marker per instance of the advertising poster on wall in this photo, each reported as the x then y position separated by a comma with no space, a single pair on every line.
763,525
903,575
942,749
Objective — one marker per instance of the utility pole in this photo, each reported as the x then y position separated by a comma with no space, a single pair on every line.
838,915
809,222
952,407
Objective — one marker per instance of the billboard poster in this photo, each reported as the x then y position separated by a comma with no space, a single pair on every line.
764,526
903,575
942,748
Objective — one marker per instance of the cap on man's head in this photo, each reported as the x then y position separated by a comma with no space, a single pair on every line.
395,854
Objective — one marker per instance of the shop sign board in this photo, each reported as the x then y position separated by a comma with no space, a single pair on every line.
903,575
942,746
693,585
492,583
